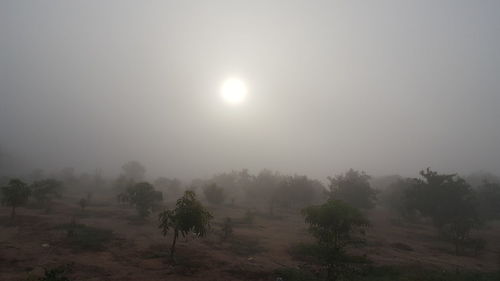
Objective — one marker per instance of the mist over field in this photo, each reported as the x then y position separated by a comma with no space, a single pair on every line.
250,140
387,87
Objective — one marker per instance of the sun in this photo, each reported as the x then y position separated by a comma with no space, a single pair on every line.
233,91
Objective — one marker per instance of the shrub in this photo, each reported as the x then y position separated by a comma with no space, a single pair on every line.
295,274
227,228
214,194
56,273
83,203
245,246
85,237
336,226
188,216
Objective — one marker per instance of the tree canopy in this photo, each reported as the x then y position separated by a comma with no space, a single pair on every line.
214,194
449,201
142,196
336,225
16,193
354,188
44,191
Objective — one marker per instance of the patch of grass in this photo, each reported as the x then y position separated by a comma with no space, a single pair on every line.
84,237
245,246
402,246
295,274
247,219
57,273
304,251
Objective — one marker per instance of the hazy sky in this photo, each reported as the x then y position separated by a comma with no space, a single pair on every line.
383,86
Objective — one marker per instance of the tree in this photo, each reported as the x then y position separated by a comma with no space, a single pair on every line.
395,197
134,170
263,190
489,200
143,196
15,194
214,194
227,228
44,191
336,225
172,188
297,191
449,201
83,203
354,188
188,216
67,175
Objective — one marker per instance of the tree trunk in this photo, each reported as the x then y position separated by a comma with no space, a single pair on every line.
13,213
172,248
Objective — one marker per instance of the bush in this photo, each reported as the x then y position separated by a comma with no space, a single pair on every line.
245,246
189,216
336,226
227,228
85,237
294,274
56,274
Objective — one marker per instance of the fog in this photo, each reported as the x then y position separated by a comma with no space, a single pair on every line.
389,87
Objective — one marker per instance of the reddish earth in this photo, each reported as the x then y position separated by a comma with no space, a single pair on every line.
138,251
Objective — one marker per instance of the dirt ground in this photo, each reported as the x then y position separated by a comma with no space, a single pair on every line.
138,251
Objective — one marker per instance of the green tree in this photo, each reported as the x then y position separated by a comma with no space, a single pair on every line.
15,194
142,196
188,216
214,194
354,188
336,226
44,191
449,201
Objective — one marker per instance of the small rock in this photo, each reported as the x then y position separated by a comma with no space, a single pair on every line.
45,245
